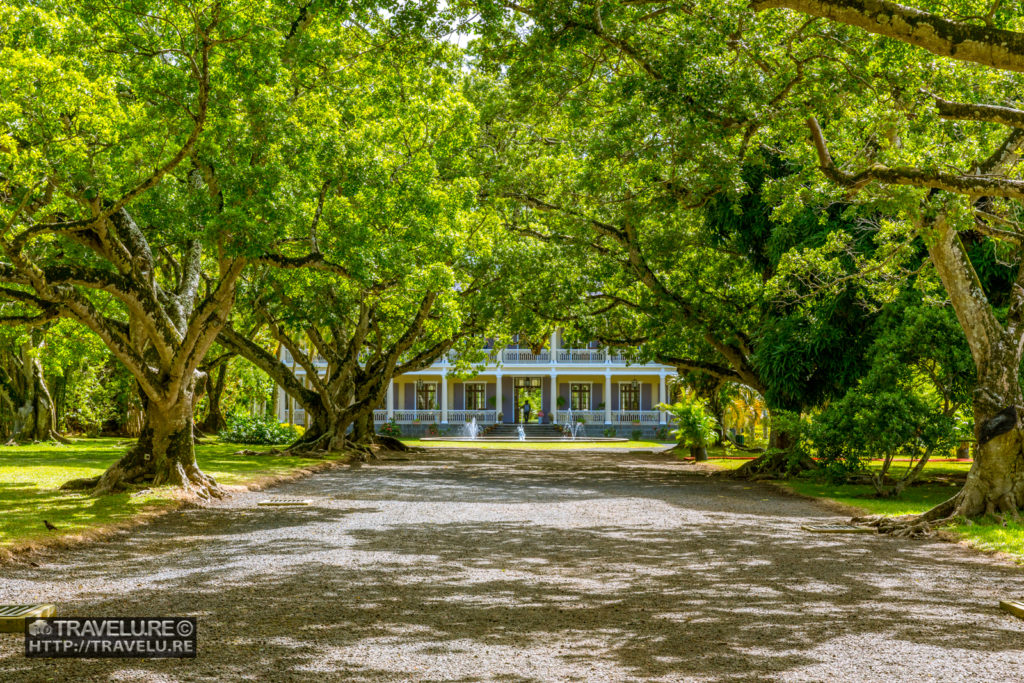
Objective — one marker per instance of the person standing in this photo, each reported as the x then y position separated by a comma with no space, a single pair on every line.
526,410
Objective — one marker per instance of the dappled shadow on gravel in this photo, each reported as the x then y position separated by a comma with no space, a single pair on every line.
485,566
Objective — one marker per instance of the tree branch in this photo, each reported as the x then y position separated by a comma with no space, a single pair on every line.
997,48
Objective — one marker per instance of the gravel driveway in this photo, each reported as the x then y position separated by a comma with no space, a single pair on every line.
514,566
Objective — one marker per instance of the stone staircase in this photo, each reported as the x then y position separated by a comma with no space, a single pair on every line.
532,431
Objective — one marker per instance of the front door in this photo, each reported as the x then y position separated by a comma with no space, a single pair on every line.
526,390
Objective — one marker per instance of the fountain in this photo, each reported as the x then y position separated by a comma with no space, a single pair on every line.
571,427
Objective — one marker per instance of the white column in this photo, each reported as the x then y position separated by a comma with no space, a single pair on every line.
554,348
662,397
391,399
554,393
497,395
607,398
444,396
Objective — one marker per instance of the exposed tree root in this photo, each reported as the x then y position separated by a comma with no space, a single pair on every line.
746,449
59,438
914,526
392,444
137,468
773,465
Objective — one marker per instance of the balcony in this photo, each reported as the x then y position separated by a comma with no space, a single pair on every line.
489,417
563,356
524,356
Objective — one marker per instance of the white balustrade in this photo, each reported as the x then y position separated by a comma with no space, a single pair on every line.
520,356
581,356
586,416
637,417
483,417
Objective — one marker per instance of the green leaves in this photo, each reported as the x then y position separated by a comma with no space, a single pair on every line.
695,425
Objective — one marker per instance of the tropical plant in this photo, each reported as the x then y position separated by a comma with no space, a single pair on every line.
696,428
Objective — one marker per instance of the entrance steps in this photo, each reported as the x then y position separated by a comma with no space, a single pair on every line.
532,430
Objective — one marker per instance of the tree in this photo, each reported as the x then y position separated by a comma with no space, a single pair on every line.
918,168
396,205
636,154
909,402
695,428
142,172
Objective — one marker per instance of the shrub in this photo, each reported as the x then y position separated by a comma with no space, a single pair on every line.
635,435
882,424
695,426
609,432
662,433
257,430
390,428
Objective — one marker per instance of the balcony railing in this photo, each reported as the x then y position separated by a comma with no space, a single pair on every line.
518,356
637,417
488,417
581,356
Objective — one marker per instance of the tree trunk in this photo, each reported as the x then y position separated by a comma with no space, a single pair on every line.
214,421
718,410
776,463
995,482
362,428
163,455
699,453
36,418
320,429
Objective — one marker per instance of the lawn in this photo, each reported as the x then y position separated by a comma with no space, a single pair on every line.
528,446
30,477
934,488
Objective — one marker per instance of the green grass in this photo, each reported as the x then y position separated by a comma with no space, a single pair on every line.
934,488
527,446
30,477
913,500
985,534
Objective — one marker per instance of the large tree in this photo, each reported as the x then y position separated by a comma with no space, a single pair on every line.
395,204
148,155
937,140
628,153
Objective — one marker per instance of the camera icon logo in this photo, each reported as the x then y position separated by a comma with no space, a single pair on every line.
39,628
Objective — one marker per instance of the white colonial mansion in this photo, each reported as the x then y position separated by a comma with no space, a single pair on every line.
596,384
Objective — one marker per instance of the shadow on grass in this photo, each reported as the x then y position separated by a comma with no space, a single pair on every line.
31,476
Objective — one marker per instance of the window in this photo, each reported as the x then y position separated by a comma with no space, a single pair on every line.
579,395
426,396
476,396
629,396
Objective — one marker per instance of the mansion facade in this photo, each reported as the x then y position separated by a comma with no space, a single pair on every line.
596,384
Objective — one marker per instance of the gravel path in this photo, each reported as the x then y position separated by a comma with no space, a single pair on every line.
513,566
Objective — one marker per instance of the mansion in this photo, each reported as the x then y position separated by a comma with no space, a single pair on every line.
596,384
